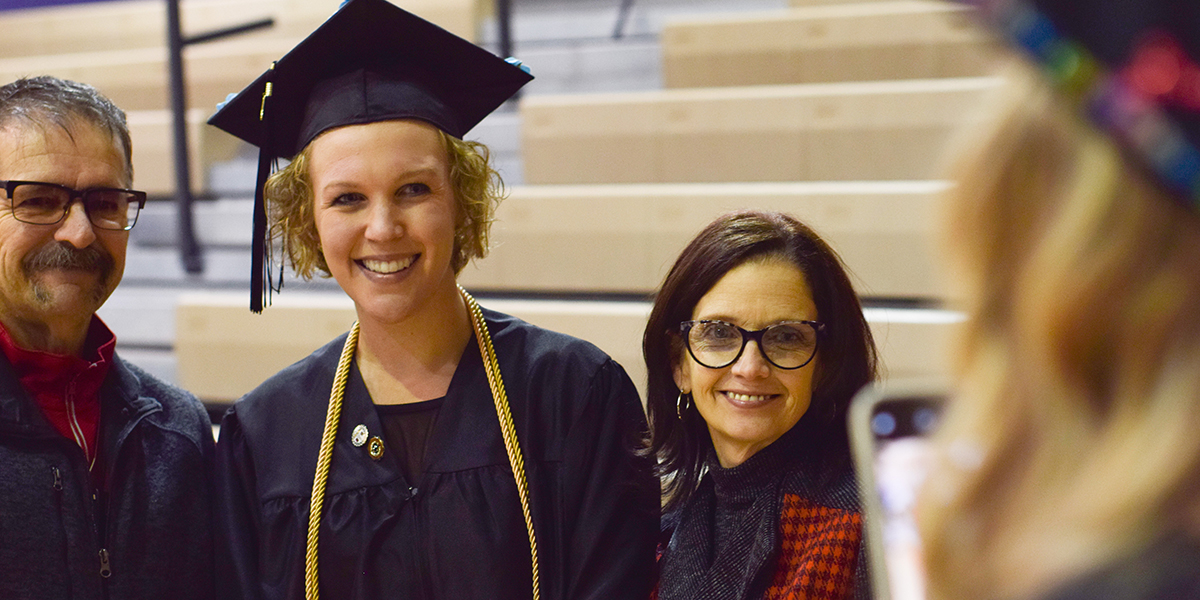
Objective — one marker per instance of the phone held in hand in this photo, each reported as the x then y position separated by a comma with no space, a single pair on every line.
890,426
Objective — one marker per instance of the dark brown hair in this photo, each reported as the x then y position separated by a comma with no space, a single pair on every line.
846,355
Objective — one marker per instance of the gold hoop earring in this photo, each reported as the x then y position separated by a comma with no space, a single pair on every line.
682,405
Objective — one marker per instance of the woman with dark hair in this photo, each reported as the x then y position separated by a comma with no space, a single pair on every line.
754,348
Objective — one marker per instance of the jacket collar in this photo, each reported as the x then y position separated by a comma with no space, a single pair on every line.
20,415
18,412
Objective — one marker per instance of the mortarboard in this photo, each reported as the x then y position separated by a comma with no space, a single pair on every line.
371,61
1130,66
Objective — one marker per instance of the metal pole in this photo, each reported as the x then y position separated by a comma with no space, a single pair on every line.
504,20
622,18
189,250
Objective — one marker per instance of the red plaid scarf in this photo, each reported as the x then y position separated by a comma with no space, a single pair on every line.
818,552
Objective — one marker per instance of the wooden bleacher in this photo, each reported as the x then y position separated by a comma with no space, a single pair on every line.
877,130
154,148
910,39
623,238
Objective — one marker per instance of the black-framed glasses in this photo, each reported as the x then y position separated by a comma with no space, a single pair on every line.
39,203
717,344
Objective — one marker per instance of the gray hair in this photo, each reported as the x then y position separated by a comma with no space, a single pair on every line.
35,100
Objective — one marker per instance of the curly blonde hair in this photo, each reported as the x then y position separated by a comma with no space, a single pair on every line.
1071,440
477,186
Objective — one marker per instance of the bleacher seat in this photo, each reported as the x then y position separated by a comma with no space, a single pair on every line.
913,39
889,130
623,238
154,148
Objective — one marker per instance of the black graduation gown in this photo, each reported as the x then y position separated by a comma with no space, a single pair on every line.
460,535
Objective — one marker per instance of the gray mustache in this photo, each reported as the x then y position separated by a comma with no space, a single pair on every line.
65,256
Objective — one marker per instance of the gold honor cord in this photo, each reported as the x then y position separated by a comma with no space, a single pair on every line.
324,459
507,429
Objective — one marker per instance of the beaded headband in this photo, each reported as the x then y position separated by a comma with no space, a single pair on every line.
1143,89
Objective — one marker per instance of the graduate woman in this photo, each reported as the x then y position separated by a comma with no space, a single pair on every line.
438,450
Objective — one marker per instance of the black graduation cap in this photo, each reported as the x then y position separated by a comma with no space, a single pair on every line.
1132,66
371,61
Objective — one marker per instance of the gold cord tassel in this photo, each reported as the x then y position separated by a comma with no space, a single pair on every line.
324,459
507,428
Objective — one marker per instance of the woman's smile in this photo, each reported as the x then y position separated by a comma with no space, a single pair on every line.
387,267
746,400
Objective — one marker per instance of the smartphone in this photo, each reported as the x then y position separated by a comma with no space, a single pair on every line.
889,433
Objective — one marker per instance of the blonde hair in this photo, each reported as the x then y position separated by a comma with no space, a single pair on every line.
1072,439
478,190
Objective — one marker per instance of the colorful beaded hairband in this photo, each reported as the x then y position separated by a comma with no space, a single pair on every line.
1129,102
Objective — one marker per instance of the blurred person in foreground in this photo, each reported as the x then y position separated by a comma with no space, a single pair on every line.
105,471
754,348
438,450
1070,463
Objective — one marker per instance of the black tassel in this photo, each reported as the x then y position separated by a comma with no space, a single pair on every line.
258,240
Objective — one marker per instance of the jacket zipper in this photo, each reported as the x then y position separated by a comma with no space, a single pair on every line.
57,486
101,519
104,503
100,508
105,568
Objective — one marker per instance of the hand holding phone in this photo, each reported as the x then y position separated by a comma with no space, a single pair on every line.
889,429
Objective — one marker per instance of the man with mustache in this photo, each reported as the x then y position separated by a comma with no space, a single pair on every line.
105,471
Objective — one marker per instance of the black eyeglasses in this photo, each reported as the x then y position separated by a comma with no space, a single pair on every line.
717,344
39,203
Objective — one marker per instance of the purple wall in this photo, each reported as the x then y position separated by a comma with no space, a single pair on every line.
14,4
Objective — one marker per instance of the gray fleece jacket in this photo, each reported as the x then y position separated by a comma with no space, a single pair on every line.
147,536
